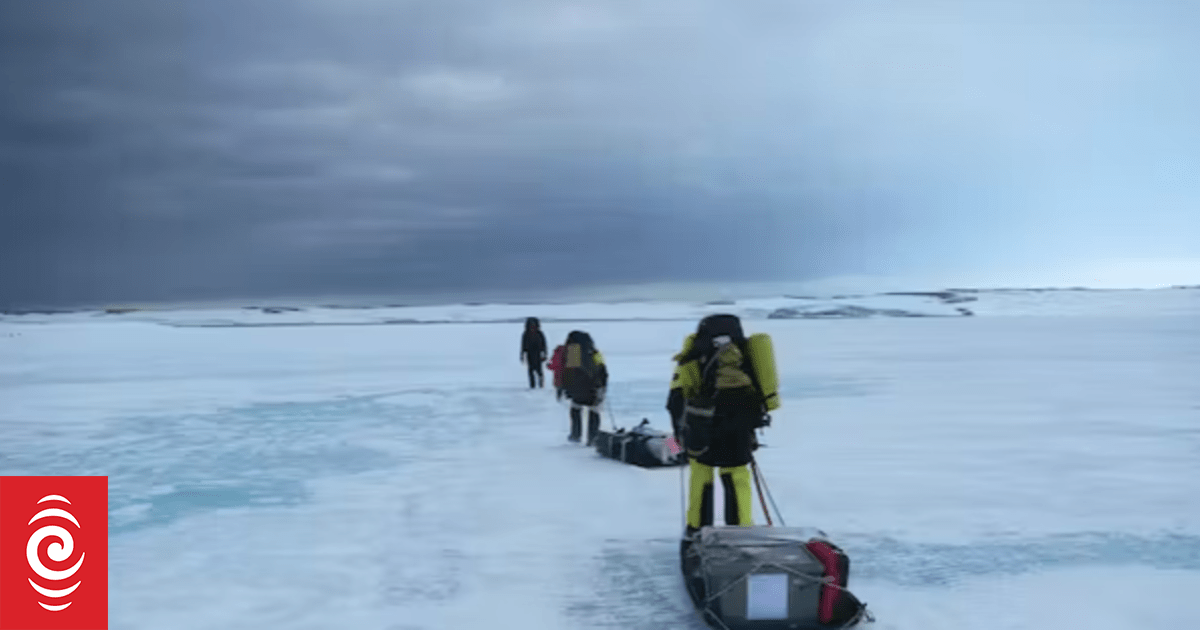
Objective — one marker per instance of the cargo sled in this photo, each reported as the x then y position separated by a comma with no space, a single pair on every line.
641,446
769,578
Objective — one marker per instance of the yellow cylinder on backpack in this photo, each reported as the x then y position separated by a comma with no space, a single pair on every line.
762,360
687,345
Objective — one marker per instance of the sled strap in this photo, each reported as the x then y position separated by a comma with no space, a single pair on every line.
762,500
760,482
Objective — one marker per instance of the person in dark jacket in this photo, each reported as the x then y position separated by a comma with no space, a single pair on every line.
715,408
533,352
585,381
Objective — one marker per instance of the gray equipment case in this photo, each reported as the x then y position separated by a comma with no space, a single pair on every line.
756,578
641,446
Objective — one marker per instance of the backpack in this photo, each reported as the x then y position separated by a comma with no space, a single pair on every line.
715,336
579,362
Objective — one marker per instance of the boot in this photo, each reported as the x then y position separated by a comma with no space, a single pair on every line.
593,426
576,425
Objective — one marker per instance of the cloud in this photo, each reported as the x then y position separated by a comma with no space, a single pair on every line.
154,149
454,89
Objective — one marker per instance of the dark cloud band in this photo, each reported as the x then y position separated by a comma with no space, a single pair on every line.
157,150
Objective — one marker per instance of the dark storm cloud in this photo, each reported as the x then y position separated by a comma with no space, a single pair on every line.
187,150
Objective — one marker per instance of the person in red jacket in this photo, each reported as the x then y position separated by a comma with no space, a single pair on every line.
556,366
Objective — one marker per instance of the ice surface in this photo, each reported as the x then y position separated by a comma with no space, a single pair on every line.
1032,466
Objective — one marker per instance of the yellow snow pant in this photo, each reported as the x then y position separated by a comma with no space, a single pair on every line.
736,482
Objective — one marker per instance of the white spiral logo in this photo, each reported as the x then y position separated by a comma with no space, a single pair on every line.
57,551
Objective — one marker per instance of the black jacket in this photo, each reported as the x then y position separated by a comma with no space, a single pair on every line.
533,346
732,438
584,391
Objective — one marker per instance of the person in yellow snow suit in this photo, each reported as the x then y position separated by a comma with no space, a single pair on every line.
716,405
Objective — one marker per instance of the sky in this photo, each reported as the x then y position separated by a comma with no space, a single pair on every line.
158,150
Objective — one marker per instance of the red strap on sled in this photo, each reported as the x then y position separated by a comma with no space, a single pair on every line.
829,592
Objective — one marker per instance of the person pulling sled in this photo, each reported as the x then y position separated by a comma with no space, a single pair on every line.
585,381
717,400
723,389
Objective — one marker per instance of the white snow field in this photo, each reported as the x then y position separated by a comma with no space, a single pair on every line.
1033,466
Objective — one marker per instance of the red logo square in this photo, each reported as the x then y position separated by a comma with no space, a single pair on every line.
53,553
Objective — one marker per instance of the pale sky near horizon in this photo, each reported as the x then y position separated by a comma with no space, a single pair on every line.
154,150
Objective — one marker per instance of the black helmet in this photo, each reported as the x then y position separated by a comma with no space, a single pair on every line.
720,325
709,335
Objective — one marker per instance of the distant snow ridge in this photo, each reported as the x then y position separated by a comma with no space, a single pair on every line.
880,305
946,303
851,311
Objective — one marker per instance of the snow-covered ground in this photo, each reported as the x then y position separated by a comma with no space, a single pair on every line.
1033,462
